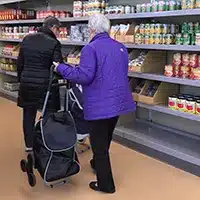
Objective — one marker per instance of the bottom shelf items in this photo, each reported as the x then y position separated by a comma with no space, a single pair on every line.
177,146
8,93
166,110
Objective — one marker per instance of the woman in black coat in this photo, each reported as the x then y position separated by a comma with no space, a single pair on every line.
36,55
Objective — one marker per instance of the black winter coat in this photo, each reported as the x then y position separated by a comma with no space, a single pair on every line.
36,55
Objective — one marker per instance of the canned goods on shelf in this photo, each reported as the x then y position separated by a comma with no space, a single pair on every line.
172,102
181,103
190,105
149,7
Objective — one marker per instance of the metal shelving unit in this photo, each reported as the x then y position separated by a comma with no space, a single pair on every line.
162,141
177,13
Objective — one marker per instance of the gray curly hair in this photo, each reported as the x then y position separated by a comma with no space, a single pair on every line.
99,23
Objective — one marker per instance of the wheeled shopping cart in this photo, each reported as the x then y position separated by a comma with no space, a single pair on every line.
54,149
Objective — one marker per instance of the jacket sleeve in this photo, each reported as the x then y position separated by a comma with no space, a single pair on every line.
85,72
20,63
57,54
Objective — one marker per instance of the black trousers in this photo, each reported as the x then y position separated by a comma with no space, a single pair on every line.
29,115
100,139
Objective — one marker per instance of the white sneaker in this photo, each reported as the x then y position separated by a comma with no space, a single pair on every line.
82,136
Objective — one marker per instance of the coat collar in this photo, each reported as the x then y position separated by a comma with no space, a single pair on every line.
100,36
47,32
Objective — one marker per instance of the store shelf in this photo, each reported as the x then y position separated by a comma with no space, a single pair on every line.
159,77
171,47
9,93
176,13
173,145
10,57
10,40
74,43
192,48
164,109
8,73
2,2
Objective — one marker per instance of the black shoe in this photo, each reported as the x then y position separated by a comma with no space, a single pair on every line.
94,186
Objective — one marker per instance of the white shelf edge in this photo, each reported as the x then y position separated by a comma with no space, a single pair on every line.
9,57
165,110
158,77
14,74
176,13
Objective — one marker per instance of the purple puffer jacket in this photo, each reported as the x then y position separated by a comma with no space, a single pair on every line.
103,74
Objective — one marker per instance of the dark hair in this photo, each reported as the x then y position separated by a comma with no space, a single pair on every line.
50,22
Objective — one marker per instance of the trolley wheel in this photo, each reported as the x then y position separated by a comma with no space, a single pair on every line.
31,180
23,165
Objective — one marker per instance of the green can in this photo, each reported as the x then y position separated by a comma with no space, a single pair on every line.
190,27
143,8
184,28
196,27
149,7
172,5
138,8
167,6
186,39
161,6
179,39
193,39
155,6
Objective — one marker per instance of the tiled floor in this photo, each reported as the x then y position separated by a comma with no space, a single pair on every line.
137,177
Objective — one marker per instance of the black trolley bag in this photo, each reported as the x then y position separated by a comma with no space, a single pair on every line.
54,154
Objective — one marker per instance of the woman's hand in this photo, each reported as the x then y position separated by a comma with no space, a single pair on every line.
56,65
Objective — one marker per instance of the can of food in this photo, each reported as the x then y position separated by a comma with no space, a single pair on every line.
152,28
127,9
149,7
147,39
169,39
178,5
198,107
190,27
184,28
138,39
179,39
142,28
181,103
155,6
169,71
161,6
196,27
172,28
186,39
147,29
151,39
167,6
138,8
172,102
165,28
157,38
184,72
172,5
193,39
197,42
190,105
132,9
158,28
143,8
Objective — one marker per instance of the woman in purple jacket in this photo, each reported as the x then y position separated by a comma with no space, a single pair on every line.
102,72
